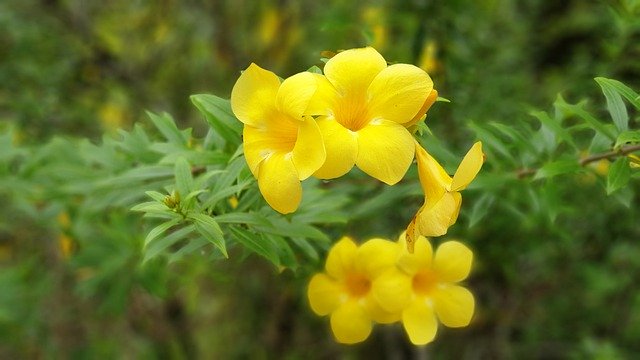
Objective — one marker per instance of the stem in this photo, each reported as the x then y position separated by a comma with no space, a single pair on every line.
622,151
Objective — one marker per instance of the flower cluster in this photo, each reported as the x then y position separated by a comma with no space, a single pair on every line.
381,282
363,112
355,114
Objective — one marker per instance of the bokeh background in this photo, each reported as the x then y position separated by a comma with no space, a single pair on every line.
71,286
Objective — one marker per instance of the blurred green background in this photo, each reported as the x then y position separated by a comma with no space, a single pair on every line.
71,283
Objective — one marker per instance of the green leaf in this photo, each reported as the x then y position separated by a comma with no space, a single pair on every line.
184,179
156,195
615,105
159,230
151,206
210,229
629,137
559,167
161,244
256,243
242,218
622,89
314,69
491,141
167,127
594,123
285,228
554,126
219,116
481,208
619,174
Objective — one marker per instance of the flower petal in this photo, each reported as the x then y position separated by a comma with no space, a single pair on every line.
385,150
433,179
341,258
341,147
431,99
256,145
454,305
352,71
436,220
323,294
308,153
378,313
392,290
420,322
399,92
295,93
469,168
350,323
279,184
324,98
376,256
421,257
253,96
452,261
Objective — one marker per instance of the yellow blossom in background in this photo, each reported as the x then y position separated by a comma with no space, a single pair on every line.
282,146
375,21
365,106
345,291
431,281
429,58
634,161
442,192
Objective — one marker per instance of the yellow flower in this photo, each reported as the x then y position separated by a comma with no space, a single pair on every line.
365,105
432,285
442,193
346,290
282,145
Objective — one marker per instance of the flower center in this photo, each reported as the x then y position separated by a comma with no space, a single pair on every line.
357,285
351,112
424,281
282,132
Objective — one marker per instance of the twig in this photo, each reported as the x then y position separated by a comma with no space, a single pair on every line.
622,151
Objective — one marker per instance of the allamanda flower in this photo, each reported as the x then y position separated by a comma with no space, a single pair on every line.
442,193
366,107
346,290
432,285
282,145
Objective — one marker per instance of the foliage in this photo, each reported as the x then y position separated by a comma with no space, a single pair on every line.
157,235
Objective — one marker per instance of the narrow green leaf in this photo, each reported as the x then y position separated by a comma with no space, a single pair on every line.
622,89
315,70
210,229
158,246
184,179
219,116
285,253
555,127
558,167
155,195
629,137
256,243
242,218
619,174
167,127
491,141
615,105
151,206
159,230
595,124
481,208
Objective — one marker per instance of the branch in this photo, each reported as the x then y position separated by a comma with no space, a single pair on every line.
622,151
